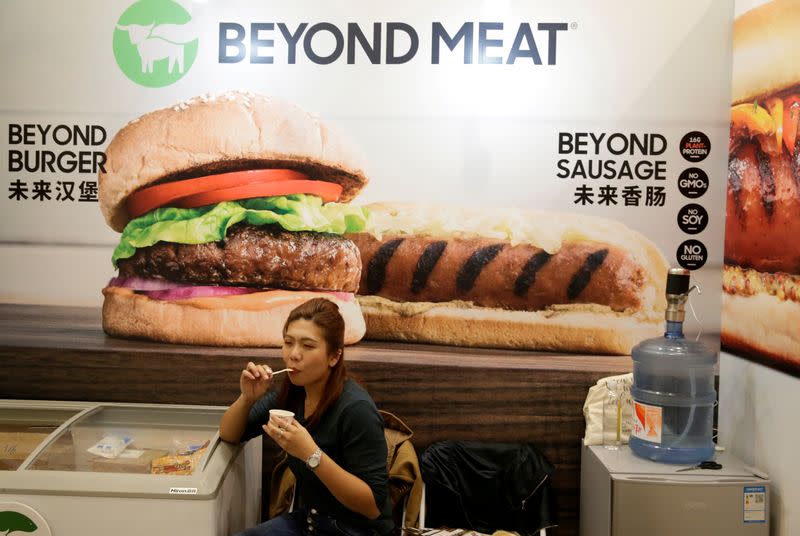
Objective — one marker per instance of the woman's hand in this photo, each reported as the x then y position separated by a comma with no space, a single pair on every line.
347,488
254,381
291,436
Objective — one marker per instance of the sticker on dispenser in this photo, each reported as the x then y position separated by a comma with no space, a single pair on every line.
647,422
755,504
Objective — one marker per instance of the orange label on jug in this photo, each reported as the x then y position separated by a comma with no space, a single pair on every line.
647,422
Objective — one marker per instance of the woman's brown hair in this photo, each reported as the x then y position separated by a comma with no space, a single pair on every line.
325,315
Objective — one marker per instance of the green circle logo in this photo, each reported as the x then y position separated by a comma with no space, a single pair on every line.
155,43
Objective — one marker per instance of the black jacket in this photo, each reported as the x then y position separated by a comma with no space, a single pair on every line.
487,487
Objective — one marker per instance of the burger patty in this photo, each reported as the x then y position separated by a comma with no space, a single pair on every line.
492,273
265,256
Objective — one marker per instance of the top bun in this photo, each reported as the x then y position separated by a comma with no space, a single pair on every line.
765,54
218,133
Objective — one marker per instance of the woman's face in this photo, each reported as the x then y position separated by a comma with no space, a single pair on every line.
305,350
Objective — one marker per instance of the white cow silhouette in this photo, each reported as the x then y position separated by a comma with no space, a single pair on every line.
157,42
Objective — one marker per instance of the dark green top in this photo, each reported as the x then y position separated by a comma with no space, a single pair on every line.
351,434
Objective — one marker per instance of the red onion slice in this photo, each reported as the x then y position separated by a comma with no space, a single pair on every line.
161,289
185,293
142,283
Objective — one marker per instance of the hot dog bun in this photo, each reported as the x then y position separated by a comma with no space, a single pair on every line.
764,40
508,278
763,327
593,331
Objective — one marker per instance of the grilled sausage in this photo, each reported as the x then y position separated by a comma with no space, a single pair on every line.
762,229
493,273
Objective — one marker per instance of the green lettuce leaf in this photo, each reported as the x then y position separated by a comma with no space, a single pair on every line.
296,212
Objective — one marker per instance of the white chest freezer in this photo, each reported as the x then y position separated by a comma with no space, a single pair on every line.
624,495
123,469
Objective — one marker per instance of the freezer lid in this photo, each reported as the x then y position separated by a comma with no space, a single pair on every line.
24,427
130,450
203,483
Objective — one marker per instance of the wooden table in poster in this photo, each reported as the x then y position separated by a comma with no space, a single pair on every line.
61,353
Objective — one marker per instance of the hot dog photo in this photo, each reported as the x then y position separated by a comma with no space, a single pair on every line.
518,279
761,300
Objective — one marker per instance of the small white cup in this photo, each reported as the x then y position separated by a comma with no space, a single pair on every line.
283,415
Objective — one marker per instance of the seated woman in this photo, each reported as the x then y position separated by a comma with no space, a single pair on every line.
335,442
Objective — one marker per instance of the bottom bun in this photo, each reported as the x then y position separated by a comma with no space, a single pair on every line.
592,330
126,314
762,325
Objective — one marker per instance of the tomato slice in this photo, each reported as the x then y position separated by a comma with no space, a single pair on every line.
328,191
791,116
147,199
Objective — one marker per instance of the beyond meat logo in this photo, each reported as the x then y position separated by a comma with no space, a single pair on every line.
390,43
155,43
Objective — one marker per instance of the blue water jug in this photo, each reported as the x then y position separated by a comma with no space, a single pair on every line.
673,389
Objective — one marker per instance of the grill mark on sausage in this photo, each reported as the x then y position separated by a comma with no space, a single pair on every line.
425,265
528,275
376,270
767,182
471,269
735,181
582,277
616,283
796,162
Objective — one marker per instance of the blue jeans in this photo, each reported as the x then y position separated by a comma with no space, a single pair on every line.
305,523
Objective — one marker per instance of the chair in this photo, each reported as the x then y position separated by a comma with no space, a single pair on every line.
486,487
405,480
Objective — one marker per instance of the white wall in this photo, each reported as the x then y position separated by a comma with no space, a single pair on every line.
54,274
759,423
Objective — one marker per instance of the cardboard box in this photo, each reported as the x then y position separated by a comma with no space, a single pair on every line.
130,461
16,446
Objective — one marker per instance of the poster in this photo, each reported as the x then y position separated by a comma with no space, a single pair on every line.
761,299
545,163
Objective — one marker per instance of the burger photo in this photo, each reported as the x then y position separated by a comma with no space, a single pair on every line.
761,278
232,210
508,278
